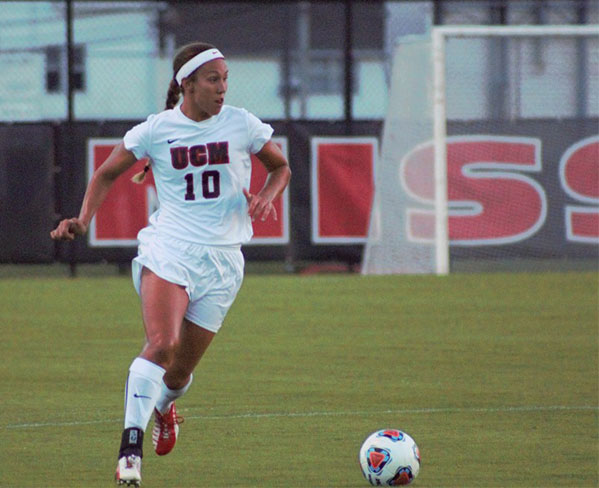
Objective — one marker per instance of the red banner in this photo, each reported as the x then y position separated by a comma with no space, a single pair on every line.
128,205
342,188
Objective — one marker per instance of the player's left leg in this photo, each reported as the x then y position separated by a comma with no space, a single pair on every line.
192,345
175,383
214,284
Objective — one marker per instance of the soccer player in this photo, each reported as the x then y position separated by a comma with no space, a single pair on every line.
189,266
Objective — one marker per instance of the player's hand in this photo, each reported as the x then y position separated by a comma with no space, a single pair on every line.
68,229
259,207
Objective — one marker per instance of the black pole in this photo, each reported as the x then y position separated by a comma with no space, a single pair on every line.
70,60
581,64
70,112
498,66
348,65
438,12
286,55
289,19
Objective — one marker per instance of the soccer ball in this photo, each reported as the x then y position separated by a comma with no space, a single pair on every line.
389,458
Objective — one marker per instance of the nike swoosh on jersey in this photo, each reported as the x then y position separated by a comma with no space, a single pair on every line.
170,141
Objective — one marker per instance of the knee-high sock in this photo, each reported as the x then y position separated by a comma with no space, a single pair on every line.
168,396
142,391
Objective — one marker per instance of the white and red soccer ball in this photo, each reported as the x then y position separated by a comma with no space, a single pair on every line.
389,457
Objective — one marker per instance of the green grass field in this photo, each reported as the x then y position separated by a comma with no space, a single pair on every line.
494,375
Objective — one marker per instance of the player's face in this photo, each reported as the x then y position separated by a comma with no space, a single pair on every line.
208,90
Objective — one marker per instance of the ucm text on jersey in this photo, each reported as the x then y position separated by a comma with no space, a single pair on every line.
200,154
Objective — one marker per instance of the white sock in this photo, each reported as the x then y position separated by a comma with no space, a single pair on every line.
168,396
141,392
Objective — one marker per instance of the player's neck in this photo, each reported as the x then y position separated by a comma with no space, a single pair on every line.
194,113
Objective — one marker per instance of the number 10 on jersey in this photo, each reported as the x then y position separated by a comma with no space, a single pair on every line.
210,185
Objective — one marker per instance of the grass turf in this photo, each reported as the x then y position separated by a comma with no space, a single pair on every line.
494,375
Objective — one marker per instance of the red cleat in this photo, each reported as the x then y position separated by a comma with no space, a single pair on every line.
166,430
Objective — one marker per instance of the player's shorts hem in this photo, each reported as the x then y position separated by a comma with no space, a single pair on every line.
137,266
199,323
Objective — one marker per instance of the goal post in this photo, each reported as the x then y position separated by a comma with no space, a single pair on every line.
472,155
441,236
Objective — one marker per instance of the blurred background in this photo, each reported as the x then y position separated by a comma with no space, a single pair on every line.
75,71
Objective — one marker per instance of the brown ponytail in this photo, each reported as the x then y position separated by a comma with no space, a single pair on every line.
140,177
172,95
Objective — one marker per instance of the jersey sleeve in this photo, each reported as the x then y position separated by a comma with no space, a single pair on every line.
137,139
259,133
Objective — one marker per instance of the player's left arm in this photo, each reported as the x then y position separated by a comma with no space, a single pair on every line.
260,205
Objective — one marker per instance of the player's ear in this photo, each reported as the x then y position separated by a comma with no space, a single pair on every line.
187,85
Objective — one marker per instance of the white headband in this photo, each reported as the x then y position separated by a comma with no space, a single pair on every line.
195,62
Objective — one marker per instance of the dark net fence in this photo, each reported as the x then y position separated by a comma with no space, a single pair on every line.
75,76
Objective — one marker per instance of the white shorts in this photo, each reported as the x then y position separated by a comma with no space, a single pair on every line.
211,275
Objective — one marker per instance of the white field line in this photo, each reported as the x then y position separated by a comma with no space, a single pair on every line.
271,415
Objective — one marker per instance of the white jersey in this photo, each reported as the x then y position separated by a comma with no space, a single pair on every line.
200,170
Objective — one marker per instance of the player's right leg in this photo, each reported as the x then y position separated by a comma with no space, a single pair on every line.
141,391
163,307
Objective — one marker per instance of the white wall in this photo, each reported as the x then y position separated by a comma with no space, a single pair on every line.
121,63
127,79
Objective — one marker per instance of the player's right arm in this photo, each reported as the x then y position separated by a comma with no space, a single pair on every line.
119,161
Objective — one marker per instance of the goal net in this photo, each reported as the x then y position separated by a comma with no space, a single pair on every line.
490,152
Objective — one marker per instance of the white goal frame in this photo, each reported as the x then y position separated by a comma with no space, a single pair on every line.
439,35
